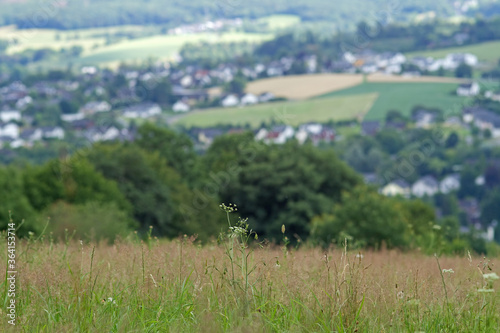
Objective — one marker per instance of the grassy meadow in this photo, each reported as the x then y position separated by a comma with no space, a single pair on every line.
404,96
292,113
181,286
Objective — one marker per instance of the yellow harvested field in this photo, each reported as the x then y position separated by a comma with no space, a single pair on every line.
298,87
379,77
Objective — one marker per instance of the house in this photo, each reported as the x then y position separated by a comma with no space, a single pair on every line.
95,107
370,127
180,106
423,118
450,183
23,102
230,100
71,117
249,99
102,133
142,110
262,134
52,133
427,185
11,115
468,89
395,188
279,134
208,135
31,135
10,130
483,119
495,96
266,97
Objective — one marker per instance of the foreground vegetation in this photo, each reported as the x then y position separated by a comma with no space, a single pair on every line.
180,286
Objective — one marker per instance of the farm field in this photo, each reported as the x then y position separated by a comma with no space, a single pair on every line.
180,286
162,47
304,86
489,51
278,22
403,97
57,39
292,113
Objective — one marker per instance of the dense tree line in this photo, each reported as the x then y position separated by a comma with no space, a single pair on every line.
159,182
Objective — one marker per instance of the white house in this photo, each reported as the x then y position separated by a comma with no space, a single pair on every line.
427,185
180,106
468,89
450,183
230,100
31,135
95,107
395,188
52,133
70,117
142,110
10,130
11,115
102,134
249,99
280,134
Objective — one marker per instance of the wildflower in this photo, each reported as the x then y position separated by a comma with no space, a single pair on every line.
491,277
436,227
401,295
282,228
110,300
484,290
448,270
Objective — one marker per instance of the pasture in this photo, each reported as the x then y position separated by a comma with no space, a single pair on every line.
404,96
291,113
181,286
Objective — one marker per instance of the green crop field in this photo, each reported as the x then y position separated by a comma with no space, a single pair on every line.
404,96
292,113
489,51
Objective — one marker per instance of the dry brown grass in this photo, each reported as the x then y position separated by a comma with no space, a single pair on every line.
188,287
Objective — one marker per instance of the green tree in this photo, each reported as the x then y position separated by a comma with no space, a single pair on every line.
464,70
287,184
366,219
157,193
176,148
13,200
237,85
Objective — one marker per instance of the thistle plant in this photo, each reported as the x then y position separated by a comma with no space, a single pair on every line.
237,238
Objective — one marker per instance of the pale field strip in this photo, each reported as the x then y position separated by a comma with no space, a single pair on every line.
299,87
